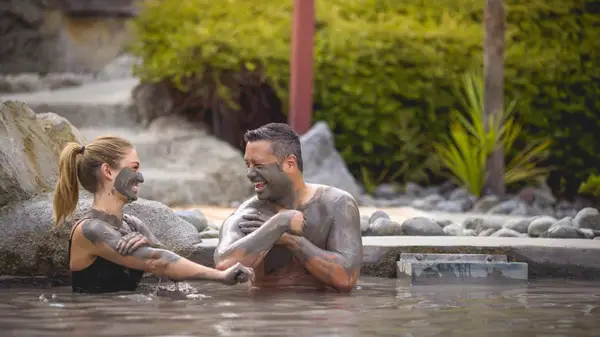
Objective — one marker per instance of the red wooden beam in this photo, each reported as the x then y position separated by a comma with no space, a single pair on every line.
301,78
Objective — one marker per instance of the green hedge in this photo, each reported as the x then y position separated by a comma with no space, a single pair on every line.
385,70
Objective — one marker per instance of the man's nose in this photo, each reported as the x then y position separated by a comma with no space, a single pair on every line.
251,173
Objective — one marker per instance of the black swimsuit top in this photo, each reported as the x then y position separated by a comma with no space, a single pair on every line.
103,276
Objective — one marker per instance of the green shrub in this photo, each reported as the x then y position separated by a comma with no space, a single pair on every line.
591,186
384,70
471,141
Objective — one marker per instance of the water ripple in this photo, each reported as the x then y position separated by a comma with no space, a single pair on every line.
377,308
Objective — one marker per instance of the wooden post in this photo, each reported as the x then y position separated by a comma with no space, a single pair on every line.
301,81
494,87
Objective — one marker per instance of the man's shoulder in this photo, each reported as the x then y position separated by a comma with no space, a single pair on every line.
249,205
330,194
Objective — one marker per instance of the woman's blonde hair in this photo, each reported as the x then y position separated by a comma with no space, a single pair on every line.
78,163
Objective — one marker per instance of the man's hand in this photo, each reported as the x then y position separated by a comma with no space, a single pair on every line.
252,222
296,221
235,274
130,242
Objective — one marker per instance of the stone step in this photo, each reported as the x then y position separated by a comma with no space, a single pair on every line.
129,133
155,149
457,258
175,187
466,272
100,104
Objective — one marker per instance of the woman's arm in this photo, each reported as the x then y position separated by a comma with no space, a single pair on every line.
101,239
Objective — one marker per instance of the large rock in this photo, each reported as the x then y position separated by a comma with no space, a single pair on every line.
30,246
28,159
322,163
62,36
106,103
60,130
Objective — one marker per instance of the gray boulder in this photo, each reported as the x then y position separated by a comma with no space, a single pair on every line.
31,246
384,227
588,218
540,225
506,233
322,163
28,159
518,225
193,216
421,226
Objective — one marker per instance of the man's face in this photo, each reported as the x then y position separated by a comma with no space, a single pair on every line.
266,172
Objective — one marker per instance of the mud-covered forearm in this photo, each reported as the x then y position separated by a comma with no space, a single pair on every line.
145,231
334,269
250,250
154,242
170,265
161,262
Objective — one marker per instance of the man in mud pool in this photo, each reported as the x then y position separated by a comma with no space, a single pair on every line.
294,234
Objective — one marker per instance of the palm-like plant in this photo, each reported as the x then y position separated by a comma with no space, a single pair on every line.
472,139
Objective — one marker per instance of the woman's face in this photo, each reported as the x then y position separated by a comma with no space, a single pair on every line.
127,178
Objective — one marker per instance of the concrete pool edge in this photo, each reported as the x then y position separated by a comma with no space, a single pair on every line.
563,258
546,258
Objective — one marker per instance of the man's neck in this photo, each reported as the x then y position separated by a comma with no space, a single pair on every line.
296,198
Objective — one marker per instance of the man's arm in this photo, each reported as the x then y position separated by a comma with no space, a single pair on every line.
249,250
102,240
339,265
145,231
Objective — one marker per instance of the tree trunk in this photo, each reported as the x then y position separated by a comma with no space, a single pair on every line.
301,75
494,88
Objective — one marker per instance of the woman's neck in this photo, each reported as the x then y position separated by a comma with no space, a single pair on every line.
108,205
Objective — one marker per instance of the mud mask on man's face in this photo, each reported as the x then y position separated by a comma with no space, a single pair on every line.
127,182
270,182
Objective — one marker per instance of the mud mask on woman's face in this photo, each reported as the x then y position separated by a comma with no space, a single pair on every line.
127,182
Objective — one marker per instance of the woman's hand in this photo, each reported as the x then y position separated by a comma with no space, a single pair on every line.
132,241
235,274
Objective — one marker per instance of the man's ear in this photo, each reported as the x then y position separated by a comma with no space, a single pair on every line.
291,161
105,171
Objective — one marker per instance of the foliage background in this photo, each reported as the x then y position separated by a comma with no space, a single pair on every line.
386,71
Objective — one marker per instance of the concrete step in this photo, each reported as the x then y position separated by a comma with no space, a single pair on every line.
459,268
156,149
129,133
176,187
100,104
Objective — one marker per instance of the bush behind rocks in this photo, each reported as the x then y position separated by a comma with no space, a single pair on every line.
389,66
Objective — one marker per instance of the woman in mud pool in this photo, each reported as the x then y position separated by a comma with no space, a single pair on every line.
109,251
